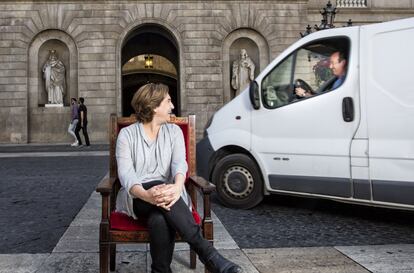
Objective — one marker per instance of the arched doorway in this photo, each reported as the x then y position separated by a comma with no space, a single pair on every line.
149,54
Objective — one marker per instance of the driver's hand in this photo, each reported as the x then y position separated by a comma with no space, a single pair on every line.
301,92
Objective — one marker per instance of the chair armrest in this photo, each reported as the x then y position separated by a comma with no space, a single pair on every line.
205,186
106,184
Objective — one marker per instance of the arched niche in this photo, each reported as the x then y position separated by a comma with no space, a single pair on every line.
257,48
50,123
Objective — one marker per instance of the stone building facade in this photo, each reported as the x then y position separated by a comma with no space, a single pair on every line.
192,44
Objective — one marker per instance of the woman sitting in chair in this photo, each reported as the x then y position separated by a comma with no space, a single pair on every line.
152,169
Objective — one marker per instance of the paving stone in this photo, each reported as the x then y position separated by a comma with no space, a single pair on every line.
21,263
79,239
90,214
382,258
302,260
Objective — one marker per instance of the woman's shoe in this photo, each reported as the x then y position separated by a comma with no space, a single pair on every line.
218,264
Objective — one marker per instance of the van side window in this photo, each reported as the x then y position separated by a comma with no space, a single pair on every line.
311,70
277,85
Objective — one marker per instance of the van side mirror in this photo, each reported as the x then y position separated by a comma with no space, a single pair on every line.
254,95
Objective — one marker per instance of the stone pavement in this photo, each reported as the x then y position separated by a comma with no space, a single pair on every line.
77,251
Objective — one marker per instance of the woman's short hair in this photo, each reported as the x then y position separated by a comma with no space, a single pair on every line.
146,99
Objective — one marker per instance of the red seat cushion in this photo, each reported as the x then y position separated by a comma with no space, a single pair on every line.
121,221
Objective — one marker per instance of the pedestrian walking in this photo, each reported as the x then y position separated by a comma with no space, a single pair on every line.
83,123
73,120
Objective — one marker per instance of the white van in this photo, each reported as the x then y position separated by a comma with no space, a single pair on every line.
353,143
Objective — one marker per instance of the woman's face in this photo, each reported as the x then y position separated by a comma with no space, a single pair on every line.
164,111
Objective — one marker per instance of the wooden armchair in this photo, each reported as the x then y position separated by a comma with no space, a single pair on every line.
118,228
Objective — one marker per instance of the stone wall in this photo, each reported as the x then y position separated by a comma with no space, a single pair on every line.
94,32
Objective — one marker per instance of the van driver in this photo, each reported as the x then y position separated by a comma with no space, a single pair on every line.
338,64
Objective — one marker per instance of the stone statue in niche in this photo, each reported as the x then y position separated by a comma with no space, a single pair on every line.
242,72
54,75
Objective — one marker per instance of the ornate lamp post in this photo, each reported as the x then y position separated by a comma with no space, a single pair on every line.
328,15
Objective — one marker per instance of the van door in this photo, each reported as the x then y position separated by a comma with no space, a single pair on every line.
386,73
303,144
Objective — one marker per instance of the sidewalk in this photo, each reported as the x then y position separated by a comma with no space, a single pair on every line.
77,250
40,150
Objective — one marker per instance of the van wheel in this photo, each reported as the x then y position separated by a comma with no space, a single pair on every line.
238,181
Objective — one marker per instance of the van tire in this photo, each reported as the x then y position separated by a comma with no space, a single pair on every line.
238,181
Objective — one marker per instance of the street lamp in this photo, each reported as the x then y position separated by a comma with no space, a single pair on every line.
328,15
148,61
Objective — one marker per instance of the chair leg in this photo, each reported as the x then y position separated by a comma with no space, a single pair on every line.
206,270
112,257
103,258
193,259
